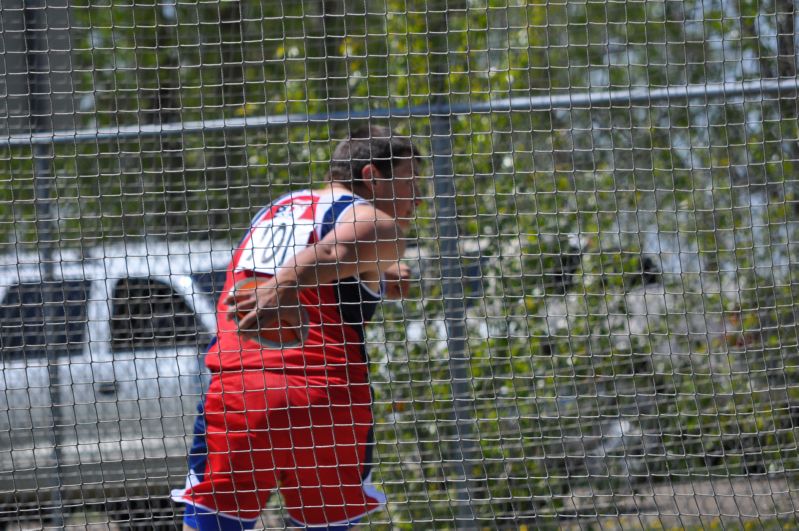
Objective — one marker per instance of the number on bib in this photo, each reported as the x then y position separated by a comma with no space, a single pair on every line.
274,241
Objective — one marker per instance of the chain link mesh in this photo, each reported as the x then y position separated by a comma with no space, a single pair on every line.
602,329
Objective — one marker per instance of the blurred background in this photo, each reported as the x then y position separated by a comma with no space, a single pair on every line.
602,329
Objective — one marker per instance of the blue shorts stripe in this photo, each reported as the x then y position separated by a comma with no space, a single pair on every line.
206,520
198,453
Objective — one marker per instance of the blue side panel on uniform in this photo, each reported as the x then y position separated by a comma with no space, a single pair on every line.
331,216
198,459
198,454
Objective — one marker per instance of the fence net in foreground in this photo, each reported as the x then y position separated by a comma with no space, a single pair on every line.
601,328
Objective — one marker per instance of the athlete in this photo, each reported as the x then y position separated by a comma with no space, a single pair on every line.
296,417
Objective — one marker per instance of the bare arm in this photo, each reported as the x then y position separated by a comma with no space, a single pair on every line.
363,240
396,281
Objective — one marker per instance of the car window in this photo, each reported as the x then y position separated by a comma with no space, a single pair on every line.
148,313
211,283
39,317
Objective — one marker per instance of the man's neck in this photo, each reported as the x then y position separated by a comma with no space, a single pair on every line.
338,187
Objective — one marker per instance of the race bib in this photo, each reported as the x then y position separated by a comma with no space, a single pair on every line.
275,241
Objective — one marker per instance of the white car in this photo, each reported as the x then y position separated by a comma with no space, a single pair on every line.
102,367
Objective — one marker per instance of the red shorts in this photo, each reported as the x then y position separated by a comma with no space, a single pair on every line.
308,437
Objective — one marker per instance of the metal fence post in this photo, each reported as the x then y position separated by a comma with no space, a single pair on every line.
463,450
40,121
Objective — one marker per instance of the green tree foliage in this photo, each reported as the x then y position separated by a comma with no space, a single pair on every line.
628,268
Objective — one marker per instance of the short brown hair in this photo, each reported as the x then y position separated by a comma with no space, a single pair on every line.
376,145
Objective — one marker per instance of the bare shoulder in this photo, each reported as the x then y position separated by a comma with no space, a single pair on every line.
365,219
377,234
364,212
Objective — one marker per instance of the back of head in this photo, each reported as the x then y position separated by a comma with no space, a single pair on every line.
376,145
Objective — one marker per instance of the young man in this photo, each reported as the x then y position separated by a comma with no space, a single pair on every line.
296,416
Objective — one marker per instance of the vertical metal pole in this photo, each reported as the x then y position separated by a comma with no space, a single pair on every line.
40,108
463,450
44,222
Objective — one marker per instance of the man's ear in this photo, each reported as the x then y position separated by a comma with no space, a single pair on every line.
369,172
368,175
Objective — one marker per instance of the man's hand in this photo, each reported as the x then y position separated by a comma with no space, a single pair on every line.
396,281
267,305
